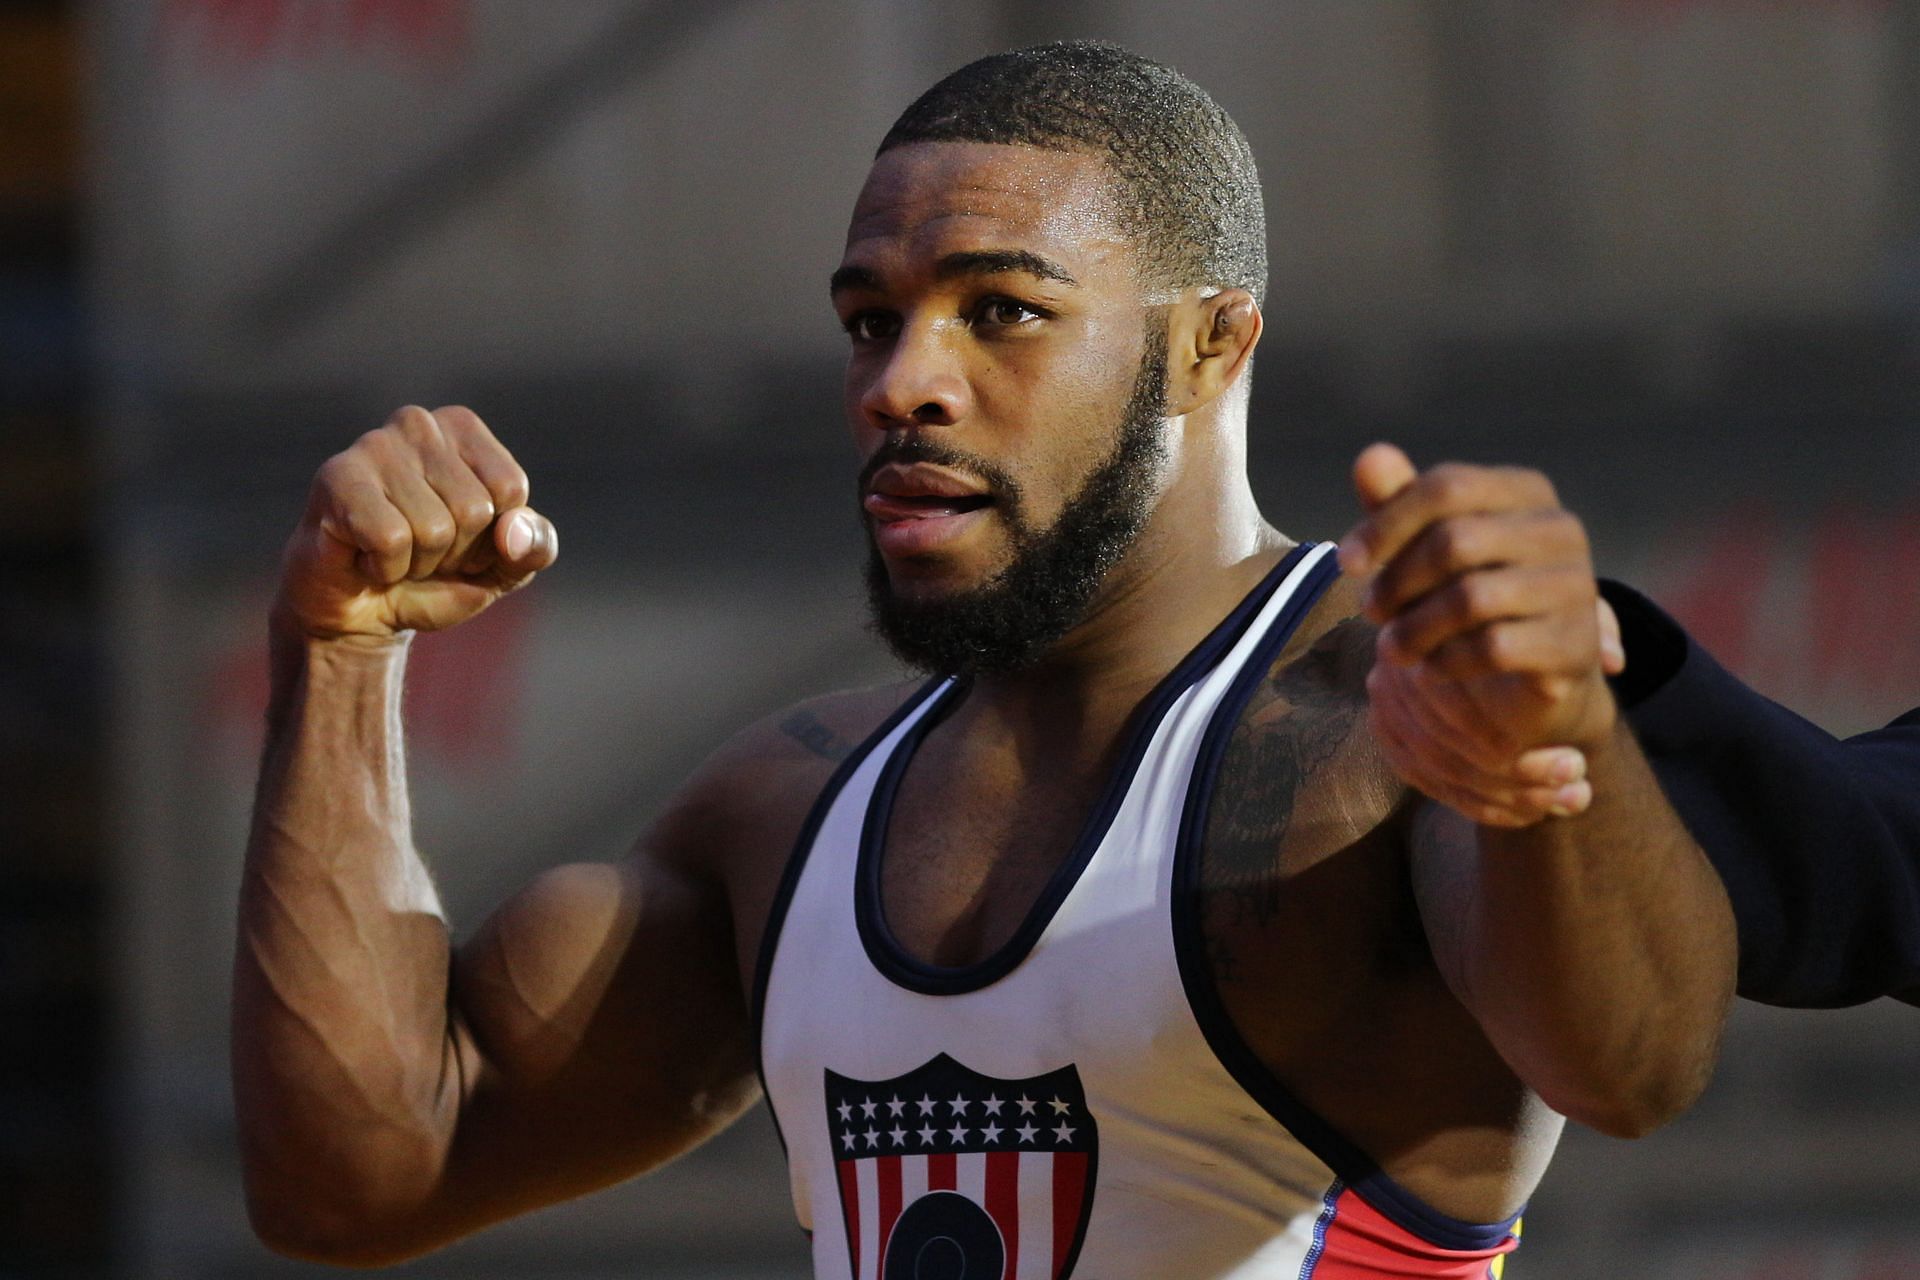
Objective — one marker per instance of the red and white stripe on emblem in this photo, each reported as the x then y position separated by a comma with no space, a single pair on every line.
1034,1197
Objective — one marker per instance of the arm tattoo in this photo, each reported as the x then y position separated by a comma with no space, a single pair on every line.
1293,726
806,729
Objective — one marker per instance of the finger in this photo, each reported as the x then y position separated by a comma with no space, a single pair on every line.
1380,472
1443,705
526,542
1433,752
1547,648
505,480
1457,545
1550,766
1406,762
1489,597
1451,489
465,498
1613,650
431,524
358,514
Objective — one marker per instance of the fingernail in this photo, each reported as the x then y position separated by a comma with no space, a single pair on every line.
1567,766
1569,800
519,537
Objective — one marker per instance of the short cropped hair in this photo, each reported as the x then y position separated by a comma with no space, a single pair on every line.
1188,192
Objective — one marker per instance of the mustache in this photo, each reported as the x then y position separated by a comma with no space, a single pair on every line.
906,450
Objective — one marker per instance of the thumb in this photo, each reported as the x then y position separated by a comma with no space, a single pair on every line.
1380,472
1613,651
526,542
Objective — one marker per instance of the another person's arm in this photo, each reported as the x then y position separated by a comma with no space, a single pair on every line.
1816,838
392,1093
1596,948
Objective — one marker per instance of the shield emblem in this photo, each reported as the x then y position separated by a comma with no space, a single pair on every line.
948,1174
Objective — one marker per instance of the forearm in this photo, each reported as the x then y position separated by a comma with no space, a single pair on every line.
344,1073
1601,951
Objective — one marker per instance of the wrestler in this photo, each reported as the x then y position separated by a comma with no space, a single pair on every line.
1116,947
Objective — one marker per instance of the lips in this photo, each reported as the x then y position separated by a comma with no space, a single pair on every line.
916,508
921,491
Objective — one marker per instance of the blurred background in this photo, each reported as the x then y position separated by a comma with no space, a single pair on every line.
1667,249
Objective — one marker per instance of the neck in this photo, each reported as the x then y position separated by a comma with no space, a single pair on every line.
1205,547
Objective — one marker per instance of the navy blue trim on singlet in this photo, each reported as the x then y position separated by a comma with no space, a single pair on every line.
1349,1163
884,948
790,880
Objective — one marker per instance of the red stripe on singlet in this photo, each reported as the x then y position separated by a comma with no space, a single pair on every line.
887,1175
943,1171
850,1198
1003,1203
1069,1185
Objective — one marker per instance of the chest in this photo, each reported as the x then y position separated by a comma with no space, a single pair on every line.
972,839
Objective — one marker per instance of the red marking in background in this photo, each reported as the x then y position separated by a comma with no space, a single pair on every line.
463,697
256,32
1864,616
1717,600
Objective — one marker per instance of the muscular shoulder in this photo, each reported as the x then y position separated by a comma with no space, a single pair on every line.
740,810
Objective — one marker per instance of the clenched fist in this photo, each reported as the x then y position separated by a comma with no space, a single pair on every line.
1490,679
417,527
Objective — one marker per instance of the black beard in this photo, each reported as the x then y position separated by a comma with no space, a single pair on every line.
1009,622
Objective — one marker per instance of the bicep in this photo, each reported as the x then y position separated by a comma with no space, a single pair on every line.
599,1031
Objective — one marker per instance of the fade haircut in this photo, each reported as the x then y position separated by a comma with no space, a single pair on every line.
1188,193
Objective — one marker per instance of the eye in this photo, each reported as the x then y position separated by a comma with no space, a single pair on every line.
1005,312
871,326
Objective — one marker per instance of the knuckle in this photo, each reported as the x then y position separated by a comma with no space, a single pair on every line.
472,513
1450,482
435,532
459,418
388,539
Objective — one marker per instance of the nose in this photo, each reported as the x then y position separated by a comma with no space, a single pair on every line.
917,382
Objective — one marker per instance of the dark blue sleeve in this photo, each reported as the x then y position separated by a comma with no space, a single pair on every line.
1817,839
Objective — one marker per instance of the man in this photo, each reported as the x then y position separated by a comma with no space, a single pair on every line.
1116,948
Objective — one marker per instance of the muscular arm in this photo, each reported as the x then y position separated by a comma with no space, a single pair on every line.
394,1094
1596,947
1596,951
1817,839
391,1093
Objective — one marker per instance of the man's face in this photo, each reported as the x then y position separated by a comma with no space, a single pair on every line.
1004,389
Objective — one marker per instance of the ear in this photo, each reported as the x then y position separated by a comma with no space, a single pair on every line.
1210,339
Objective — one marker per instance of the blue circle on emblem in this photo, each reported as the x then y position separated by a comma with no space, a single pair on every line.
944,1236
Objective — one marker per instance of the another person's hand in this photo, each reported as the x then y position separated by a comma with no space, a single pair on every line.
1488,687
418,526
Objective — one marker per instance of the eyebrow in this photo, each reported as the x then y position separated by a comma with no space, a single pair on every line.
972,262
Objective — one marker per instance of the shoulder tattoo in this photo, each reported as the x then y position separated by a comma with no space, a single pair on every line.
812,733
1291,730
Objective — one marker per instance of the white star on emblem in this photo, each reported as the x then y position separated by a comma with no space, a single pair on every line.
899,1137
960,1104
867,1108
846,1112
1063,1132
991,1133
1026,1132
873,1138
895,1106
959,1134
993,1104
847,1138
1025,1103
926,1136
1059,1108
925,1105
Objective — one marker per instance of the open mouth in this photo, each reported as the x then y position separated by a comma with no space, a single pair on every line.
922,506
